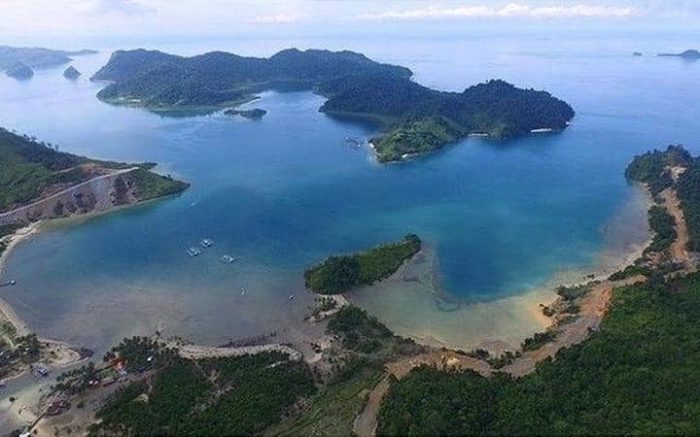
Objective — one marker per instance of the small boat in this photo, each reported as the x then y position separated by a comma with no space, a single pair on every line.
206,243
354,142
244,291
292,297
193,251
228,259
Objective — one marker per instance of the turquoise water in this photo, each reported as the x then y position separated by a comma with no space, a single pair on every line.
284,192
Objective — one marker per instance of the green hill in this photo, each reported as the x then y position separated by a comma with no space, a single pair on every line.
30,170
414,119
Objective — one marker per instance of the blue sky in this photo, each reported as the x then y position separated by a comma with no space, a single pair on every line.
30,20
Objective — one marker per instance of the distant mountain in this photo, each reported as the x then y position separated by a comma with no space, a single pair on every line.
688,54
20,71
415,119
35,57
71,73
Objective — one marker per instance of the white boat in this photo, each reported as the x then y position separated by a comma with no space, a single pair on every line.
193,251
206,242
228,259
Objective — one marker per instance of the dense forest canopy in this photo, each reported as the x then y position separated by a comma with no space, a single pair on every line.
339,274
637,375
655,169
414,119
216,396
217,78
28,168
36,57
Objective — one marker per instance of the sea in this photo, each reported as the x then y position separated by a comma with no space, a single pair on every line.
501,218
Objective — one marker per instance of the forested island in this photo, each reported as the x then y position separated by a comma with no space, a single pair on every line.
56,183
36,57
413,119
250,114
692,55
71,73
20,71
339,274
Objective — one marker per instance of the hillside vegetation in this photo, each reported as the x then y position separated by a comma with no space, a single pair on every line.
414,119
216,396
339,274
30,169
655,170
636,375
36,57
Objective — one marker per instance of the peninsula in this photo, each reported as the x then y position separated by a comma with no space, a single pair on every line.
692,55
413,119
39,182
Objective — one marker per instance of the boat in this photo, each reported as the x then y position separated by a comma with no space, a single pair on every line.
227,259
193,251
292,297
206,242
354,142
243,291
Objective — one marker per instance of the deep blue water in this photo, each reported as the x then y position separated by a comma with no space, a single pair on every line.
285,191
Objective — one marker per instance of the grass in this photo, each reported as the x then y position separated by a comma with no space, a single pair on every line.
333,411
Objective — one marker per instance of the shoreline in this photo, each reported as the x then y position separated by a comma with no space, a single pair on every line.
498,324
6,310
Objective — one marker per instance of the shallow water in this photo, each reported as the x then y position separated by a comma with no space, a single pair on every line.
284,192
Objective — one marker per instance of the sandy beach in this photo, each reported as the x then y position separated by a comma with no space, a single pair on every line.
6,311
413,303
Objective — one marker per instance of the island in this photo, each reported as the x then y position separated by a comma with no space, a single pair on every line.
413,119
250,114
36,57
20,71
71,73
37,182
691,55
339,274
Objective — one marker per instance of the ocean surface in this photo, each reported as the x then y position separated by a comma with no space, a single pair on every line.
284,192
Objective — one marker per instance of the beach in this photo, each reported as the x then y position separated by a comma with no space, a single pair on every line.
6,311
413,303
54,353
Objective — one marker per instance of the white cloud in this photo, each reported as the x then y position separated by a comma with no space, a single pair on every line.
515,10
276,19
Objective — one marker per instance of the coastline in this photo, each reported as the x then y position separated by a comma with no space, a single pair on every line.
6,311
495,325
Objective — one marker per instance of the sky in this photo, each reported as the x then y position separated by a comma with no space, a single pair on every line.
45,20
